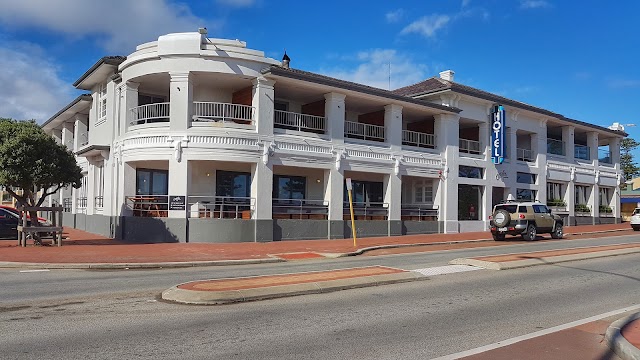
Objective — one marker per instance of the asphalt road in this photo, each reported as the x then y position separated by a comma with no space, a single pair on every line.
106,315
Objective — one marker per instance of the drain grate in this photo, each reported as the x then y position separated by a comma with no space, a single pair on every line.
449,269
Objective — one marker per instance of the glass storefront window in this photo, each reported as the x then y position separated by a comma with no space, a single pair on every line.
289,187
233,184
525,194
152,182
469,201
365,192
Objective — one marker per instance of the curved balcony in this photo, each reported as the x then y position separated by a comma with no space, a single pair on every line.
222,112
149,113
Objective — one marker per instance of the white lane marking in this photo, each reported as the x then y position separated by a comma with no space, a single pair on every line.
35,270
449,269
532,335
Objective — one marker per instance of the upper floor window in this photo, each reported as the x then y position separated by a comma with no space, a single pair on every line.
102,101
470,172
526,178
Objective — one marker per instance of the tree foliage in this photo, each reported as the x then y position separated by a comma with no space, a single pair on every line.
630,168
34,162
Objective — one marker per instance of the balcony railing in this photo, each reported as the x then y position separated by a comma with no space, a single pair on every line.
413,212
524,154
66,204
363,131
582,152
149,113
222,112
555,147
81,203
84,139
221,207
99,202
148,205
300,122
414,138
469,146
300,209
604,156
366,211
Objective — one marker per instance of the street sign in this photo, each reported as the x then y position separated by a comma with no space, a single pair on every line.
349,186
177,202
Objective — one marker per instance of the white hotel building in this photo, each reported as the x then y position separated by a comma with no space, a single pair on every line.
204,140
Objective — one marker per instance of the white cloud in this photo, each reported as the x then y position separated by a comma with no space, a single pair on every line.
121,24
31,87
237,3
623,83
394,16
534,4
427,26
373,69
466,3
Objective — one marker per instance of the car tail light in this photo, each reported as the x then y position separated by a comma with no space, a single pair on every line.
490,217
521,216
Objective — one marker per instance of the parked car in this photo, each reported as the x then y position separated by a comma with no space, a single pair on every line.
526,219
9,218
635,219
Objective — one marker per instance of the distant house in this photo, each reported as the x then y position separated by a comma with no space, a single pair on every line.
630,198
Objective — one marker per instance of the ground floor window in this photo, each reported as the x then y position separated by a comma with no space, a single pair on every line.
525,194
233,184
423,191
582,194
366,192
555,192
469,202
286,187
152,182
605,199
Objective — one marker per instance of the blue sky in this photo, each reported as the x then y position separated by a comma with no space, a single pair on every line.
580,61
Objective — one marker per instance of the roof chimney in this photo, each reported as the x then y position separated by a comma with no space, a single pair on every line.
285,60
447,75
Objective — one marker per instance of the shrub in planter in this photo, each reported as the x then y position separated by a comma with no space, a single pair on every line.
582,208
605,209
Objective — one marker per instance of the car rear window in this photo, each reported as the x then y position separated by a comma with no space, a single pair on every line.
636,212
510,208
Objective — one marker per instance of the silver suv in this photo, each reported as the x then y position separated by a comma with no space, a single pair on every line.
527,219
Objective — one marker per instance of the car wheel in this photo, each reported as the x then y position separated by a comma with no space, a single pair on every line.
501,218
557,232
635,228
531,233
498,237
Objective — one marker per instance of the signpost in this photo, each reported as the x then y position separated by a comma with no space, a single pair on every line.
177,202
498,131
353,222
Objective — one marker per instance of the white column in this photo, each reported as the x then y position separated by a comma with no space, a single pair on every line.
334,112
81,134
127,187
592,142
484,138
179,181
569,143
447,128
67,135
91,187
129,101
262,189
512,148
334,192
57,135
594,201
181,101
570,198
393,126
108,193
262,103
539,147
393,195
614,150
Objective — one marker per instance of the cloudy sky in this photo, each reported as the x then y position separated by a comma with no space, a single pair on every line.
580,61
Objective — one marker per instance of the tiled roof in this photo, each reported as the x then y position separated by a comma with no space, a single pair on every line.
348,85
436,84
107,60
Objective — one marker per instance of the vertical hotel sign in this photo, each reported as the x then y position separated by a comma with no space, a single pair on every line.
497,134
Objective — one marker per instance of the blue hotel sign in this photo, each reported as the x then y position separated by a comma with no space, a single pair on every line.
497,134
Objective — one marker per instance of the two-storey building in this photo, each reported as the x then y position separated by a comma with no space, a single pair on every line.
204,140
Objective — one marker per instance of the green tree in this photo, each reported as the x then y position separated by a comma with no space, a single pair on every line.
630,168
34,162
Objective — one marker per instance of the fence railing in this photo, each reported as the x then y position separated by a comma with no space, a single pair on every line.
148,205
221,207
524,154
300,209
604,156
363,131
555,147
469,146
413,212
222,112
414,138
582,152
300,122
149,113
367,211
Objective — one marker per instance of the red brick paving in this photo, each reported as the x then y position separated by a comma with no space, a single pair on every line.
286,279
298,256
631,332
540,254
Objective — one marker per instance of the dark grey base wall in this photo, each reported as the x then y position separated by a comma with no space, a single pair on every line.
581,220
162,230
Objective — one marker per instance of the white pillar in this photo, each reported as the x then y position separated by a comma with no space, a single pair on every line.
81,135
91,188
484,138
109,196
393,126
592,142
334,112
512,150
334,192
67,135
179,181
57,135
262,103
126,188
447,128
538,146
614,151
393,195
570,198
594,202
569,143
129,101
262,189
181,101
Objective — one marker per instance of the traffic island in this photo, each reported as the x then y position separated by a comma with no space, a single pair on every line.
623,337
224,291
513,261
